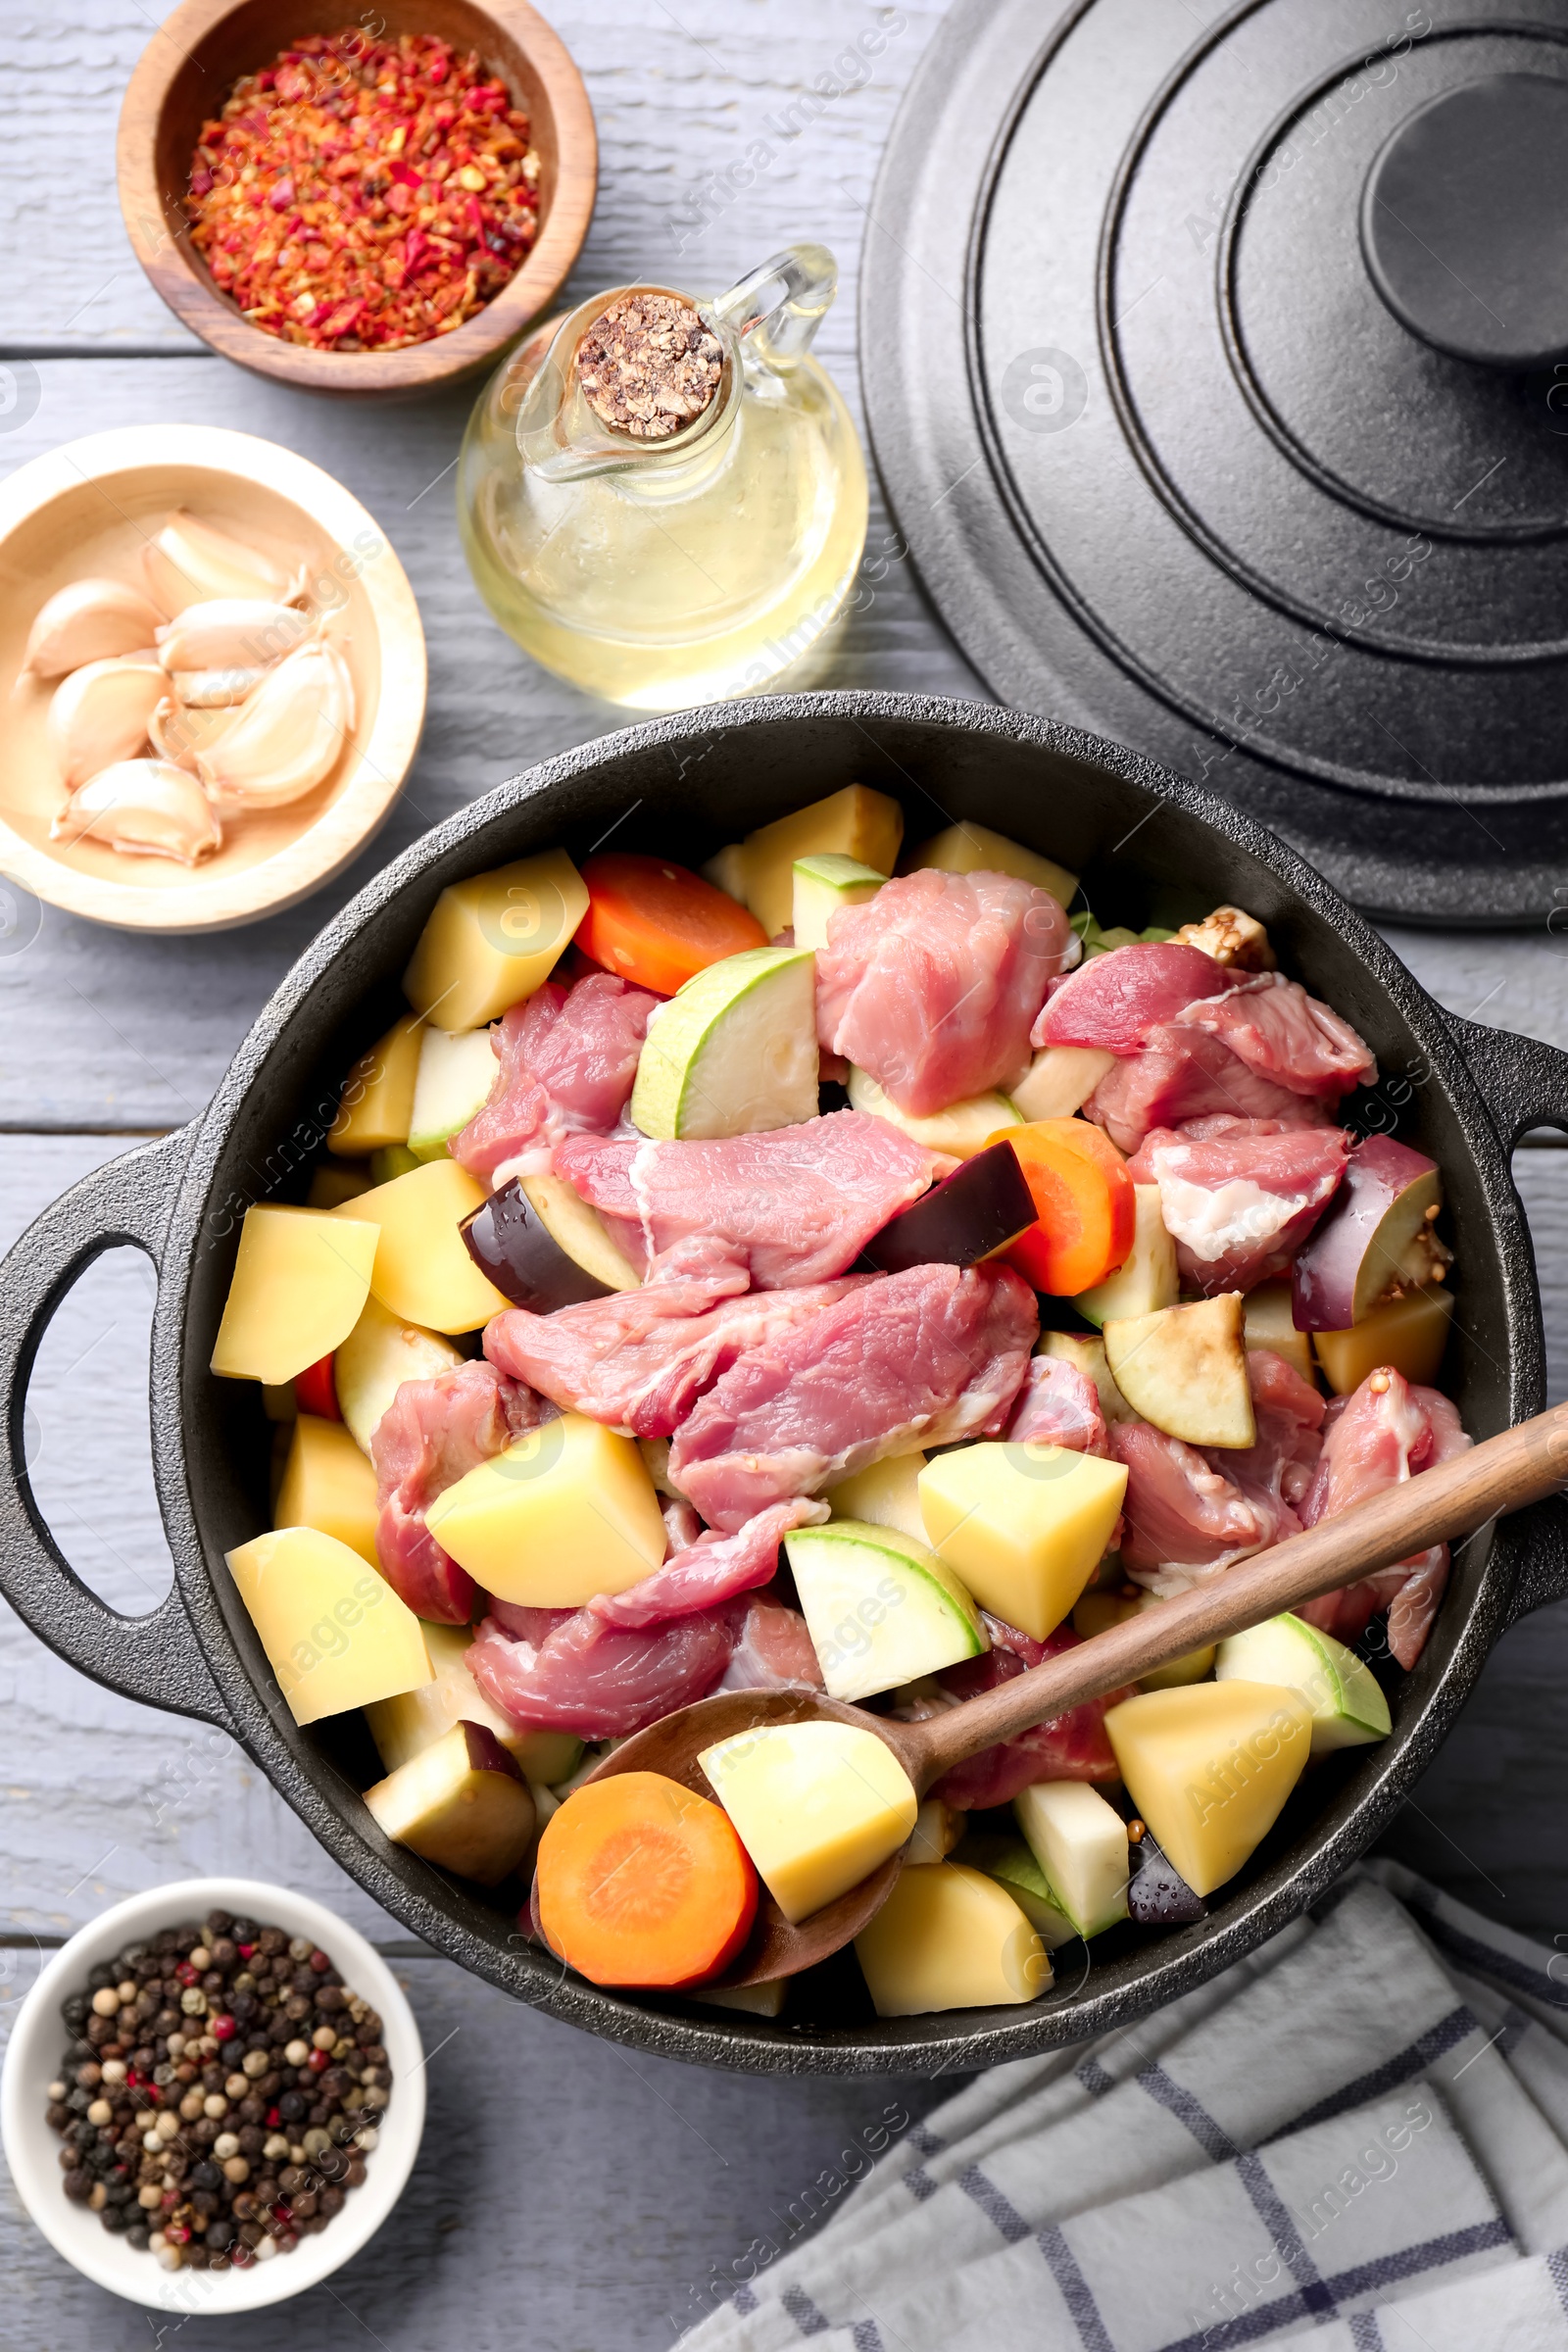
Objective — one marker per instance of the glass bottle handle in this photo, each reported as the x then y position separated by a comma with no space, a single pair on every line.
778,308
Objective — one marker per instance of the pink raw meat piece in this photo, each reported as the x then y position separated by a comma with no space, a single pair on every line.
433,1432
1191,1512
712,1569
1183,1073
601,1681
1239,1205
683,1527
794,1205
775,1650
1386,1431
1070,1748
566,1065
1278,1030
933,985
924,1357
641,1358
1114,1000
1058,1405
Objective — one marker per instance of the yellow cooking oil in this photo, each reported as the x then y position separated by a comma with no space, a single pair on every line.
658,576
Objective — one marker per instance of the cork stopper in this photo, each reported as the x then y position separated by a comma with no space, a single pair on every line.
647,366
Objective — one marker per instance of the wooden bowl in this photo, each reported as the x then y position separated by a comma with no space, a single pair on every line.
182,79
85,509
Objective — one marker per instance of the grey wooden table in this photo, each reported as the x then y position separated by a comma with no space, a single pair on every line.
568,2196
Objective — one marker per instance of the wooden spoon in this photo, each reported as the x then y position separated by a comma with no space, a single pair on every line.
1454,1499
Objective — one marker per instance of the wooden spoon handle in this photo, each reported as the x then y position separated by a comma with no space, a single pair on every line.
1460,1496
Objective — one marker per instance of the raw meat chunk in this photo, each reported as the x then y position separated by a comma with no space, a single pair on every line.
919,1359
1190,1513
1386,1431
602,1681
1070,1748
566,1066
775,1651
1059,1406
641,1358
712,1569
1183,1073
1283,1034
1239,1205
933,985
794,1205
1114,1000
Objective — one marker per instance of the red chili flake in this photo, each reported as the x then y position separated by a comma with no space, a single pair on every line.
223,2028
347,136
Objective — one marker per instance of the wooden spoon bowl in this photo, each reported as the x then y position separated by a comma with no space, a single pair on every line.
182,79
1506,1473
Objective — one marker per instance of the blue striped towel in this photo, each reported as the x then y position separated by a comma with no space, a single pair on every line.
1358,2134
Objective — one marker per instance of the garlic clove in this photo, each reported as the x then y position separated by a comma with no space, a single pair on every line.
232,633
178,732
287,737
193,562
145,808
100,715
213,689
91,620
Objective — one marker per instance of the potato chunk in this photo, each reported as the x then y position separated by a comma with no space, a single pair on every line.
491,940
857,822
300,1282
818,1806
971,849
328,1485
411,1721
1024,1524
422,1271
378,1099
1411,1333
1209,1768
460,1803
949,1937
335,1634
566,1513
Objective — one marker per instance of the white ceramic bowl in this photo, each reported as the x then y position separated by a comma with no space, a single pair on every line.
32,2060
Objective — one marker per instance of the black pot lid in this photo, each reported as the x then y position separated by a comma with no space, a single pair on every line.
1216,362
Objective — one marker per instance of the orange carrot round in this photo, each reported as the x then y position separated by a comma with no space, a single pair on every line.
1086,1202
642,1881
657,924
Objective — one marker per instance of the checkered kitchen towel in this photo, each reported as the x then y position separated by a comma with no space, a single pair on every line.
1359,2134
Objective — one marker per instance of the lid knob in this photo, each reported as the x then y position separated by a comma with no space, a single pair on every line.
1464,221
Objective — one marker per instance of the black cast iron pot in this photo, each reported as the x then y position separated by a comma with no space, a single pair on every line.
1151,849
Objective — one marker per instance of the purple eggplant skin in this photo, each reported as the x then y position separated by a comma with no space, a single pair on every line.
511,1246
1333,1265
972,1214
1157,1895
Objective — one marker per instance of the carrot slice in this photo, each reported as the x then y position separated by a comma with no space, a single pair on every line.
1087,1205
642,1881
657,924
316,1389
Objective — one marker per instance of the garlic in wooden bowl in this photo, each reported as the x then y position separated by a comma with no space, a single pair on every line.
221,631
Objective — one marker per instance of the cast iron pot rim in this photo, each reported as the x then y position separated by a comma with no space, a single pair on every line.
1175,1966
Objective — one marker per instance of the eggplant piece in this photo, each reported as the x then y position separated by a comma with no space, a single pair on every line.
1157,1895
1389,1196
979,1210
526,1240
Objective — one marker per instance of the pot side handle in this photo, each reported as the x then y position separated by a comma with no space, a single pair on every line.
154,1658
1523,1083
